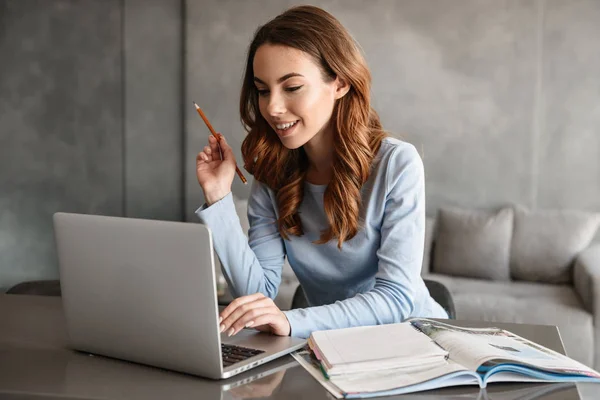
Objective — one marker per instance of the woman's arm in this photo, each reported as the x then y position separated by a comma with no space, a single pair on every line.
254,265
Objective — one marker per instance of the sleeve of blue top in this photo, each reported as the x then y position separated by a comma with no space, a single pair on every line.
249,266
392,298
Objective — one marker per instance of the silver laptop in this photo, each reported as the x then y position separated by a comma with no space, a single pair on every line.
144,291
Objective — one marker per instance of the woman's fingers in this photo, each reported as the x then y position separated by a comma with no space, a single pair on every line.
239,302
244,313
226,150
266,319
214,147
202,157
253,317
241,311
208,154
255,310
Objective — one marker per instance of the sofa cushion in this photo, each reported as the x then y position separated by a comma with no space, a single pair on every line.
525,302
473,243
545,243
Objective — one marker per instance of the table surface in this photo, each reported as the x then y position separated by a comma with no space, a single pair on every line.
35,360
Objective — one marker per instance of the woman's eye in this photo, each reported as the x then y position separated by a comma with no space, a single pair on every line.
265,92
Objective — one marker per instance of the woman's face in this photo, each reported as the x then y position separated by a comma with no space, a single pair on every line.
293,97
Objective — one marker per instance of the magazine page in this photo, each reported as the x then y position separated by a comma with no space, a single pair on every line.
388,380
482,349
466,346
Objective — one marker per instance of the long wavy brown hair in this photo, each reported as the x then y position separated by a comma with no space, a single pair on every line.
356,126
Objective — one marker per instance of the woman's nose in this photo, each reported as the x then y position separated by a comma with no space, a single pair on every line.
276,105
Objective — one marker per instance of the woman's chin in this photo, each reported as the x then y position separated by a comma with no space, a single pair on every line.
291,143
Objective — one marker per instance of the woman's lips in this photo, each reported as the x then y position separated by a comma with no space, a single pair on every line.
288,131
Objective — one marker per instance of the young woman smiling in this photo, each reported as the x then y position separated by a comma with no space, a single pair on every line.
332,192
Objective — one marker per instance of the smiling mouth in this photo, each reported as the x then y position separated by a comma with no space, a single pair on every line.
283,130
284,127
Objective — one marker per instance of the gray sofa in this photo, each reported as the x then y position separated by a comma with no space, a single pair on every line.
510,265
515,265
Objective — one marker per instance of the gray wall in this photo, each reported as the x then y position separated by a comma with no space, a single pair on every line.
153,95
500,97
90,120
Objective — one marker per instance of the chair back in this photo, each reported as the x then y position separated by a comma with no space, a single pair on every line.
441,294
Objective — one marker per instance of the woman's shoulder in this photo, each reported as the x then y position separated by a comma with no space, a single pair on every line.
396,154
396,161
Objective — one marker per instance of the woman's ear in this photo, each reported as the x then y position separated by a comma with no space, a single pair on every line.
341,87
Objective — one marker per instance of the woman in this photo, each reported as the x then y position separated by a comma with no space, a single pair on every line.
344,202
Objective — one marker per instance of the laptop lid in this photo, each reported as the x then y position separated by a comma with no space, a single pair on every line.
140,290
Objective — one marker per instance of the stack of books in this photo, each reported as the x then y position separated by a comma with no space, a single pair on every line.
362,350
423,354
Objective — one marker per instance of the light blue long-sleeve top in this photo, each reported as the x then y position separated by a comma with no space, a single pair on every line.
375,277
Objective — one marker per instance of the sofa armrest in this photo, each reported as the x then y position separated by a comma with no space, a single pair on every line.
587,279
587,285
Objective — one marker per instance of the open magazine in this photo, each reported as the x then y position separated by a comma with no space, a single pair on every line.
474,357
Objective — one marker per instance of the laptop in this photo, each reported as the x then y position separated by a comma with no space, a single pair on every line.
144,291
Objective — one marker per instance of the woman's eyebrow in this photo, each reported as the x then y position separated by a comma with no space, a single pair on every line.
283,78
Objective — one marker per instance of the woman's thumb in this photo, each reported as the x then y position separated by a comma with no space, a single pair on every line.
224,145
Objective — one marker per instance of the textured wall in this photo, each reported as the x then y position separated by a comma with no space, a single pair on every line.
567,141
500,97
153,111
60,124
90,119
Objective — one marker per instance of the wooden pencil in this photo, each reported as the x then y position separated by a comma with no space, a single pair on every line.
237,170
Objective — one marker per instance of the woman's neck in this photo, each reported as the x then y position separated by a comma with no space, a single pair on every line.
319,151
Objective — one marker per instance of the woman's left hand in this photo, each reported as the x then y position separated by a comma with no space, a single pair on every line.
256,311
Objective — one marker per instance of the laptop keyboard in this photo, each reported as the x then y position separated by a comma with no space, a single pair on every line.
232,354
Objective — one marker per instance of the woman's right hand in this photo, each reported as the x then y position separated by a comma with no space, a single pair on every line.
215,176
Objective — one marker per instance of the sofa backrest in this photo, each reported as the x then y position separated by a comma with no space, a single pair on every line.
543,243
